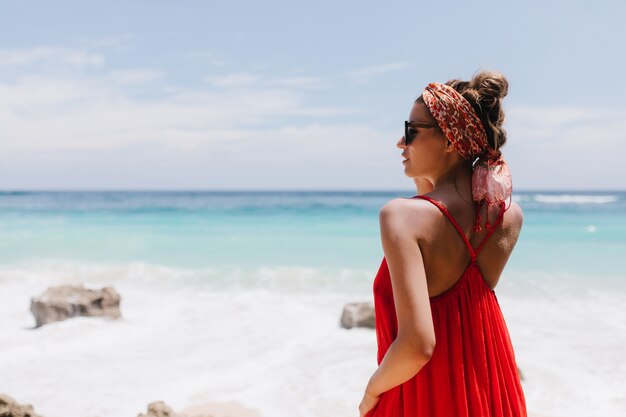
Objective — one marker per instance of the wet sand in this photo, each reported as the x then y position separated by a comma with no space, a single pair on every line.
219,409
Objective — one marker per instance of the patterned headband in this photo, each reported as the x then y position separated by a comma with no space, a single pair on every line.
491,179
457,119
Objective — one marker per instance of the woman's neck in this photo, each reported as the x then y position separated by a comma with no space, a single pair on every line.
422,185
459,177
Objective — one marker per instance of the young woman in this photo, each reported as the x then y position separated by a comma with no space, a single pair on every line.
443,346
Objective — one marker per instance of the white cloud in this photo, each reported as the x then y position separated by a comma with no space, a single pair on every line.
238,79
207,57
53,55
567,147
259,127
569,127
299,81
364,74
43,112
245,79
79,114
249,127
135,76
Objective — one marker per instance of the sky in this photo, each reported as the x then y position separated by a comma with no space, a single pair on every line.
271,95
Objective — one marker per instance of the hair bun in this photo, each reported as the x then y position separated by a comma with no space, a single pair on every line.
485,92
490,84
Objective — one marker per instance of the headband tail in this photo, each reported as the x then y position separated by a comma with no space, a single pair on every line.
491,184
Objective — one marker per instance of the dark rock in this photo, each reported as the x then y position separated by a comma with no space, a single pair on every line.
358,315
66,301
10,408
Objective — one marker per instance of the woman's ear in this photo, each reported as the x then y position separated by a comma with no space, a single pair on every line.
449,148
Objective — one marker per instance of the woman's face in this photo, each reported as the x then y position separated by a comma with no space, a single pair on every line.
423,156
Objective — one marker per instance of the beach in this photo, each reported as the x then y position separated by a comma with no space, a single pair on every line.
230,302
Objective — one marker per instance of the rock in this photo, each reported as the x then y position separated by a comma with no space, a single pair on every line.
10,408
358,315
159,409
65,301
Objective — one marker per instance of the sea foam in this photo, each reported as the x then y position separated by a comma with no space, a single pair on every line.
575,199
270,338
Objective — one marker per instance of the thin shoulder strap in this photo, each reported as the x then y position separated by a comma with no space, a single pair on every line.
456,225
492,229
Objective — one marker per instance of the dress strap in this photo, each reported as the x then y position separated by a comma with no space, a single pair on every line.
493,228
444,210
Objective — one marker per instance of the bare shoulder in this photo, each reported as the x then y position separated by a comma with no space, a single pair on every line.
513,217
406,214
399,207
511,227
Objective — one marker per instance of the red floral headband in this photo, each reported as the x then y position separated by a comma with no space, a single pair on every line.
491,179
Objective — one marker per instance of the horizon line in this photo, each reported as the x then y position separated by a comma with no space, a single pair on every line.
286,190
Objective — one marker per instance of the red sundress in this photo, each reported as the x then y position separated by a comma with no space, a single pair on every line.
472,371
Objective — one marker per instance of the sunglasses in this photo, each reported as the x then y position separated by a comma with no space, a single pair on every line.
410,132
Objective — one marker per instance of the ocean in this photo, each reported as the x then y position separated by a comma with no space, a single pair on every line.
235,295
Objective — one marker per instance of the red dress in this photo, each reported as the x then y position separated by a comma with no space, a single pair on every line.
472,371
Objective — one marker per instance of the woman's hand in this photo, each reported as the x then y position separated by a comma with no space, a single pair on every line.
367,403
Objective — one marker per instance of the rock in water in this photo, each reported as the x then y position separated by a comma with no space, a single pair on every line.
65,301
10,408
358,315
158,409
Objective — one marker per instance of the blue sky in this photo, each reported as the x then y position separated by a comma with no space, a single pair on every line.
295,95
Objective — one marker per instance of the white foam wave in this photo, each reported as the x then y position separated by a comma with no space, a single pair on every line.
520,197
272,341
275,277
575,199
183,340
555,332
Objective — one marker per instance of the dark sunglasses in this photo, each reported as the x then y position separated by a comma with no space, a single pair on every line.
410,132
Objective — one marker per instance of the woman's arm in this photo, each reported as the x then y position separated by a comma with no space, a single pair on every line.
415,340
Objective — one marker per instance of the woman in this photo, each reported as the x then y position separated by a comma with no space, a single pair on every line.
443,346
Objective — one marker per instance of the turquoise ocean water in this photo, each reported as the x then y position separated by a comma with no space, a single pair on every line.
564,231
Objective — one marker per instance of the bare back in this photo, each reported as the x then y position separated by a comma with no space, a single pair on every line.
444,251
